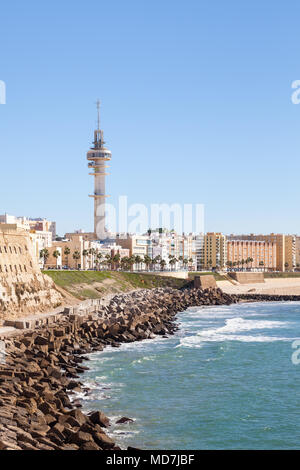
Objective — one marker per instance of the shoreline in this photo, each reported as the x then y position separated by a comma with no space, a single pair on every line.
114,413
43,365
270,286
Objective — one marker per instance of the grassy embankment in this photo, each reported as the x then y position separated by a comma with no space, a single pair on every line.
281,275
217,276
94,284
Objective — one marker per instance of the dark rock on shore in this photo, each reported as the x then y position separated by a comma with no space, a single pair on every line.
42,366
124,420
268,297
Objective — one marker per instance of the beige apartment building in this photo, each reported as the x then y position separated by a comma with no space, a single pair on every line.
215,253
75,253
67,249
165,244
79,253
87,236
297,249
31,225
138,245
285,248
261,253
290,252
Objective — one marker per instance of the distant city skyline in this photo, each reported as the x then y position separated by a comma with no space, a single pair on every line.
196,109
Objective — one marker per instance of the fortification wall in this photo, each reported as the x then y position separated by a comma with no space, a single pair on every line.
205,281
23,288
247,278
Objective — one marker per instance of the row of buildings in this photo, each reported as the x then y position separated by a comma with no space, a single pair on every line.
272,252
157,248
213,250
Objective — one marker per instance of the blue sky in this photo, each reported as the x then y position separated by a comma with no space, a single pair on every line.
196,108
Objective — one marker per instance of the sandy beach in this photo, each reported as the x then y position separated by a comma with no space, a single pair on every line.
288,286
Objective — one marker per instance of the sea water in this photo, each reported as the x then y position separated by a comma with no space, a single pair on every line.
225,380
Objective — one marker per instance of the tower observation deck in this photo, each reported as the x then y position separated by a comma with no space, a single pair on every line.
98,156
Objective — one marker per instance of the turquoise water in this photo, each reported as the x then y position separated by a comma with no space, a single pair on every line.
225,380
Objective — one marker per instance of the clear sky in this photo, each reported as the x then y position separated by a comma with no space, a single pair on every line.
196,108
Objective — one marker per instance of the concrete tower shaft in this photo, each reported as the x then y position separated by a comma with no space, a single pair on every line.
98,156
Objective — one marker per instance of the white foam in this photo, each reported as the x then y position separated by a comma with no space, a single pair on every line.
228,332
232,325
143,359
198,341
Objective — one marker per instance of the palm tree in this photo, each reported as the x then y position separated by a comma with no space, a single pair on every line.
124,262
185,262
76,256
172,262
99,257
286,265
229,264
116,259
247,261
147,261
138,261
242,263
171,257
261,263
67,251
85,254
56,255
162,264
44,253
131,261
156,260
108,259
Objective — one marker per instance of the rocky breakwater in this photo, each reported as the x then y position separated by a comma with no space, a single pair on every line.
268,297
41,367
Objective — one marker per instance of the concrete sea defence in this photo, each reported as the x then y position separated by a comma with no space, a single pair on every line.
205,281
42,365
269,297
247,277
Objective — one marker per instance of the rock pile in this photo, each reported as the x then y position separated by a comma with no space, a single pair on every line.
41,368
268,297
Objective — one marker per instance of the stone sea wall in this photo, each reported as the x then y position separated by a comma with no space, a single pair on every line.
42,366
268,297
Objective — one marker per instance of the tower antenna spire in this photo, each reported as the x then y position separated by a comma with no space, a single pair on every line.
98,111
98,157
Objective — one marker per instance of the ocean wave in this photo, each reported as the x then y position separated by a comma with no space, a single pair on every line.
230,332
232,325
198,341
143,359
